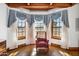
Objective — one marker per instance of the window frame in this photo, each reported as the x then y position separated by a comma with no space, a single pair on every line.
55,34
21,30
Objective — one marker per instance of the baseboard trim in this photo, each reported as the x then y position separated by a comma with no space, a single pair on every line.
19,46
74,48
56,45
32,44
70,48
3,42
8,49
22,45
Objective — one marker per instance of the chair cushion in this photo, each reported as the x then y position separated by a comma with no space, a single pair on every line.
41,42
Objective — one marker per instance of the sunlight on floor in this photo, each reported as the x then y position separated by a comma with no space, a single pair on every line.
14,54
34,52
64,53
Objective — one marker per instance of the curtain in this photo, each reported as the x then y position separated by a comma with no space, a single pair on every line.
46,20
65,18
30,19
38,17
56,15
21,15
11,18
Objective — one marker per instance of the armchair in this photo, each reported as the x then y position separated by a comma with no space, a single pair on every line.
42,45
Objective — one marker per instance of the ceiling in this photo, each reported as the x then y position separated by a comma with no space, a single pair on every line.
39,6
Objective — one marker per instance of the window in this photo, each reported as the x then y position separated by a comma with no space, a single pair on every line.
56,28
39,25
21,29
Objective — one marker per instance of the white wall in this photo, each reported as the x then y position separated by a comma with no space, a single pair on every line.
3,22
64,37
12,37
5,32
73,13
28,40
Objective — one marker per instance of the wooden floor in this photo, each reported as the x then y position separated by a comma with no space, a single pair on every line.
2,46
30,50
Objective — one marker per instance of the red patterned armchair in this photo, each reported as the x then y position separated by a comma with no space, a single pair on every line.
42,45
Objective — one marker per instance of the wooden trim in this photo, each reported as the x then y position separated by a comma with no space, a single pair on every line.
22,45
8,49
19,46
3,42
56,45
74,48
70,48
21,37
58,38
40,6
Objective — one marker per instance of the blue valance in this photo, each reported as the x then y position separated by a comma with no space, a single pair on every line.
39,17
21,15
65,18
56,15
30,17
46,20
11,18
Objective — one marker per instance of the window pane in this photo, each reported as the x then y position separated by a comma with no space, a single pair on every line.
21,29
56,27
54,24
19,24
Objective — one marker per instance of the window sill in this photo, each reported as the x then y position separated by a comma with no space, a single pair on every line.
57,38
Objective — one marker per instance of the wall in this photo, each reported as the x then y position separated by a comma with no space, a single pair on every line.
28,40
3,22
64,37
12,37
73,13
29,34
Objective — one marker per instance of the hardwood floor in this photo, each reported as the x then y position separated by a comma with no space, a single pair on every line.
3,51
2,45
30,50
